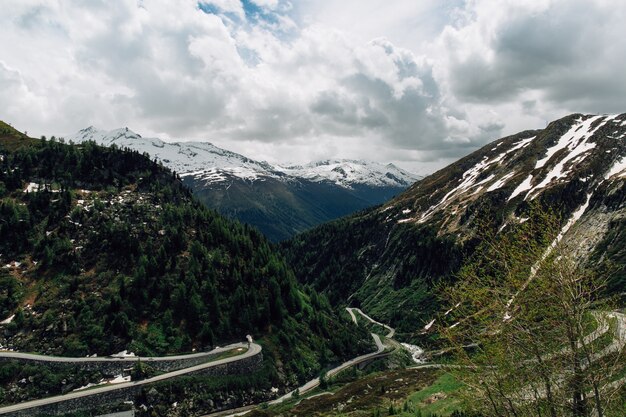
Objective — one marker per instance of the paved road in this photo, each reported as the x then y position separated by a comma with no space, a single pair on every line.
315,382
253,350
351,310
380,348
352,315
130,359
359,359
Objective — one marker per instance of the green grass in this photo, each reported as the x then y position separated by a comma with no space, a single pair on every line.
12,140
445,384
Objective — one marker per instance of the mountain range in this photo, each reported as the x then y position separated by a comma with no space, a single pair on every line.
104,249
391,259
279,200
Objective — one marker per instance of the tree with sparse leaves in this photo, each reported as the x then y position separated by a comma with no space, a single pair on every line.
541,330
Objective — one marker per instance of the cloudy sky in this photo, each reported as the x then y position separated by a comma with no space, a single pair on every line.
419,83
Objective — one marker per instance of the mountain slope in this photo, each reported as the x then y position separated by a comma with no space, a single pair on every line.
279,201
391,259
104,250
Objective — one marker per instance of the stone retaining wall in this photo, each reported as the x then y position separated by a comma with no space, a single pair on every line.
244,366
113,367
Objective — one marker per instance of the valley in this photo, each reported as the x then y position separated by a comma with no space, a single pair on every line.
474,273
298,208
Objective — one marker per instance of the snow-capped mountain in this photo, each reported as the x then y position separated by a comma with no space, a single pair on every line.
574,159
419,240
346,172
200,159
279,200
210,164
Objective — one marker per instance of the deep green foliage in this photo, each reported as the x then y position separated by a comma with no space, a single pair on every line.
115,254
19,382
407,263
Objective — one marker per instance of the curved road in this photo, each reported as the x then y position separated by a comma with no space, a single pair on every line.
315,382
70,360
379,350
351,310
253,350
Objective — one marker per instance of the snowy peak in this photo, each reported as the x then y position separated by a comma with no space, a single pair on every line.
203,160
104,137
209,164
570,159
347,172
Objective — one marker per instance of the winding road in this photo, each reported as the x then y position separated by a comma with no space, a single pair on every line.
351,310
380,351
131,359
380,348
254,349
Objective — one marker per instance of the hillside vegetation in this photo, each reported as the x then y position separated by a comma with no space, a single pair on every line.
104,250
392,259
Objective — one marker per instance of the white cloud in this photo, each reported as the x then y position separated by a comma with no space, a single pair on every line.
402,81
270,4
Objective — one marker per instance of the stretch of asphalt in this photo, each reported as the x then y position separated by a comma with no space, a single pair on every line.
131,359
351,310
314,383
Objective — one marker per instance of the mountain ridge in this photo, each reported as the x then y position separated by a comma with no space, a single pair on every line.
199,157
279,200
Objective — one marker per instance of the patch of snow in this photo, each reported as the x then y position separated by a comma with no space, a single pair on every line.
577,133
498,184
119,379
405,220
577,145
450,311
406,211
521,144
468,180
618,167
8,319
558,172
429,325
524,186
32,187
123,354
